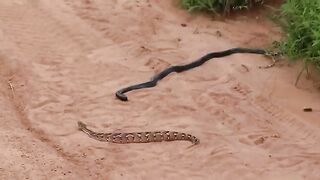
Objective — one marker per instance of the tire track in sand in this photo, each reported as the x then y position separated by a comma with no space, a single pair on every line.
290,123
36,37
251,121
285,120
25,148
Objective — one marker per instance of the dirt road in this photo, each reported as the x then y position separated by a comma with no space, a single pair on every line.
62,61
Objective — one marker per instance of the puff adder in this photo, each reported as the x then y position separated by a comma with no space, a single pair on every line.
138,137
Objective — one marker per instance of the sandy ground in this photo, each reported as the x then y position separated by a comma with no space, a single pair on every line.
62,61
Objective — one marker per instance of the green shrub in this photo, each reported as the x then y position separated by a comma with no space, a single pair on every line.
301,22
218,5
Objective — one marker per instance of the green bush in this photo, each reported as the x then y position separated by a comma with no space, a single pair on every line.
218,5
301,22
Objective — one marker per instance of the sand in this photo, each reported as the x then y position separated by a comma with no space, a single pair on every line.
62,61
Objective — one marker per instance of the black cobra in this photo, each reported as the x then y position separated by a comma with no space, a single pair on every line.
153,82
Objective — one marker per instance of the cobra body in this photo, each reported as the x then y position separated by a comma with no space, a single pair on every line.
138,137
120,94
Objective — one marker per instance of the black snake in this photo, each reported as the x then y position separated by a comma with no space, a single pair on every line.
153,82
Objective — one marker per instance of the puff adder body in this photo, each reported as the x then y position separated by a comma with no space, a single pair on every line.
138,137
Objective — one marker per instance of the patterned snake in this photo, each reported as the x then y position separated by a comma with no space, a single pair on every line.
153,82
138,137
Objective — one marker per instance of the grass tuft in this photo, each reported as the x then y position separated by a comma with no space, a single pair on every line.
217,6
301,23
300,20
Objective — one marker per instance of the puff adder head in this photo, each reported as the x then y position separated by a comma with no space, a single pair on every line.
195,141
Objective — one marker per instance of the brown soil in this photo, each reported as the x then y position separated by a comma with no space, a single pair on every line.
62,61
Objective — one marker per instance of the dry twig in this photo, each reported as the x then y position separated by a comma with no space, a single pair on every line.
11,86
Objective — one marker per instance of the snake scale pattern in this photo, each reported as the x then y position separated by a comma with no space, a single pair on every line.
138,137
153,82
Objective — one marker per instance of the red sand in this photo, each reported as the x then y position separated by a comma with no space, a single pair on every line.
65,59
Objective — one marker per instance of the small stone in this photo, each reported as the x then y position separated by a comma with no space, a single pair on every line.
307,109
259,141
